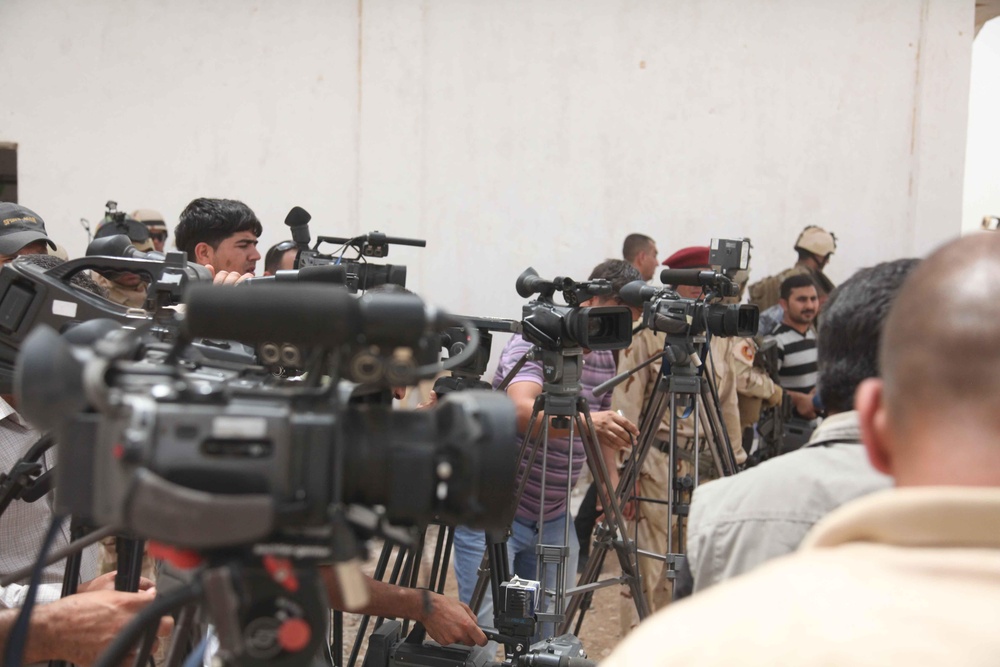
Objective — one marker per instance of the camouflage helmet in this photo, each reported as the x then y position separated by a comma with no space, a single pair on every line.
816,240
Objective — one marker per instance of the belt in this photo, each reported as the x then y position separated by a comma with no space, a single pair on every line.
684,447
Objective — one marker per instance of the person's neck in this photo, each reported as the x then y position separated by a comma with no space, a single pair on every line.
810,263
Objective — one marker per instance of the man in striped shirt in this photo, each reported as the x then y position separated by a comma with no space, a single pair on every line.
796,338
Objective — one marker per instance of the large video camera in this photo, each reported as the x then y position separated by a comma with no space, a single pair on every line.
557,327
666,311
153,442
361,275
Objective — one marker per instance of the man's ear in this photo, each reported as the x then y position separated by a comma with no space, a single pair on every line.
203,254
869,401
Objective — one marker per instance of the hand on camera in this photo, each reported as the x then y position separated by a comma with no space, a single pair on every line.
613,430
78,628
227,277
450,621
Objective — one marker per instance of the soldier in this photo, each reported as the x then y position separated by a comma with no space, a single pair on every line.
815,245
630,397
155,224
127,289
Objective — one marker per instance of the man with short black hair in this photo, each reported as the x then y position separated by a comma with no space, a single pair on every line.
796,339
640,251
740,522
220,234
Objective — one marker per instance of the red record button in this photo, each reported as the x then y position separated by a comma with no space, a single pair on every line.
294,635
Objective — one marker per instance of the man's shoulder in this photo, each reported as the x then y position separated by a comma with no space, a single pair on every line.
805,482
781,605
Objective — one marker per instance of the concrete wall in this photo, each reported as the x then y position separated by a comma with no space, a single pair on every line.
507,133
982,157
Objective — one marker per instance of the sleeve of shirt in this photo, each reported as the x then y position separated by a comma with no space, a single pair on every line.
13,596
513,351
750,380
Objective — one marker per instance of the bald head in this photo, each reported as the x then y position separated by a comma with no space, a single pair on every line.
941,349
933,419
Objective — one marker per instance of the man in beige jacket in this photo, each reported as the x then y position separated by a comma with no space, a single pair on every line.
907,576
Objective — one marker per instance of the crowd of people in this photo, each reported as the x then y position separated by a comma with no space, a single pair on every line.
879,509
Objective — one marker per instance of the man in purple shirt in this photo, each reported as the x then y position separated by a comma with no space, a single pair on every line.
614,432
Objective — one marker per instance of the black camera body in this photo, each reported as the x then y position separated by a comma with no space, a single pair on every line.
361,275
153,441
558,327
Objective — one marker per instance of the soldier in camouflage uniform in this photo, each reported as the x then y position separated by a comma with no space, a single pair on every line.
652,520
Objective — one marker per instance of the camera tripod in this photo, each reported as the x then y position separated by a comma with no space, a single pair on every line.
679,379
561,404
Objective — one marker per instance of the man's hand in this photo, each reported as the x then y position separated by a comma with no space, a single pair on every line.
451,622
803,404
613,430
78,628
106,582
227,277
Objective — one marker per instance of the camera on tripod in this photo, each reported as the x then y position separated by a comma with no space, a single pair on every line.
361,275
664,310
558,327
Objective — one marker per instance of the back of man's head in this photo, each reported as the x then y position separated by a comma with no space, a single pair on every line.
619,272
940,355
634,244
850,330
212,221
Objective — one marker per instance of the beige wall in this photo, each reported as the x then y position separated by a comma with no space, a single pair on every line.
507,133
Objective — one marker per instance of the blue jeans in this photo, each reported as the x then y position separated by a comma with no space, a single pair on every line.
470,545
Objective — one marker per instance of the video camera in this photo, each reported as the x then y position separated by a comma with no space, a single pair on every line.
361,275
153,442
557,327
469,374
666,311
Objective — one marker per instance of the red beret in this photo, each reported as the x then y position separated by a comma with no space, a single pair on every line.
694,257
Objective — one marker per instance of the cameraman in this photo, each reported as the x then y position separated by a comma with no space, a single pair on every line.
220,234
613,431
631,397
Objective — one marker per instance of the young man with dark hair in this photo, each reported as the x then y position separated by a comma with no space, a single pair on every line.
639,250
796,339
221,234
740,522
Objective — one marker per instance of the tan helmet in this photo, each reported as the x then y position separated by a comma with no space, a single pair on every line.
816,240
